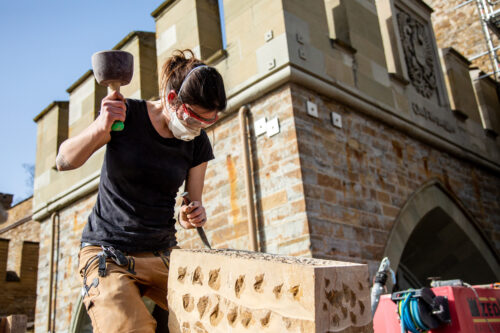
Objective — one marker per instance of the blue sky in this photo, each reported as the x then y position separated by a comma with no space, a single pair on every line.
45,47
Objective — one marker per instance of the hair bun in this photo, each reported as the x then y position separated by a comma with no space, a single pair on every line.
204,88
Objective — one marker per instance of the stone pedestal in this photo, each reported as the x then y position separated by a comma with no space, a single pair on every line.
239,291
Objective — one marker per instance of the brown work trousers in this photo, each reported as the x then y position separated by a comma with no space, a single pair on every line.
114,302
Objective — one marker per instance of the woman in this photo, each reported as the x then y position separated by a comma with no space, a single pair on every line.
126,242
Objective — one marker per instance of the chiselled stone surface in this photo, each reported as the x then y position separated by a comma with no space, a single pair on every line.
241,291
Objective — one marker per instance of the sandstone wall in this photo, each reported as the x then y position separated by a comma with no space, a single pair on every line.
279,198
356,180
19,237
18,212
66,281
461,29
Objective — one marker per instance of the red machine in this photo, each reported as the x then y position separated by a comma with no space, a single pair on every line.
455,309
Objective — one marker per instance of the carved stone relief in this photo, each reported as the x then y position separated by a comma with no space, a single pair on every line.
419,55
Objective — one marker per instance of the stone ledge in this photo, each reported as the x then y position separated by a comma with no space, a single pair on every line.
454,52
136,33
217,57
49,107
80,81
162,8
338,43
461,115
400,79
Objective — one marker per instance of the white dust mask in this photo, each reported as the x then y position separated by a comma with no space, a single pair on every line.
178,128
181,131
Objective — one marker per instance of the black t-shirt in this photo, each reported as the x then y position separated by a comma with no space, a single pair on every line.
140,177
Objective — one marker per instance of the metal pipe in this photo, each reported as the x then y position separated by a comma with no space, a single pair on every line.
242,115
51,269
483,54
486,75
462,4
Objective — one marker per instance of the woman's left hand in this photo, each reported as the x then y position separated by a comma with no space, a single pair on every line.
193,215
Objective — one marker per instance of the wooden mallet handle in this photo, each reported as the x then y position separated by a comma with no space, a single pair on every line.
117,125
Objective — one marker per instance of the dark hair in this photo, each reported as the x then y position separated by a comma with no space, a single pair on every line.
204,86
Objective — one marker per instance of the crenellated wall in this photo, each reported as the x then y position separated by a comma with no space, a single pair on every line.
461,29
339,47
189,24
458,26
459,85
63,119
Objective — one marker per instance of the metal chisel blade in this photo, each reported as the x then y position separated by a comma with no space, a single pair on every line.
201,232
203,237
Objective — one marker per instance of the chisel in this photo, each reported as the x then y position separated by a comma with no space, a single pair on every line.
201,232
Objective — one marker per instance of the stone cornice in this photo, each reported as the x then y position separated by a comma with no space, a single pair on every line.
216,57
50,107
16,224
163,7
131,36
419,3
80,81
456,54
424,5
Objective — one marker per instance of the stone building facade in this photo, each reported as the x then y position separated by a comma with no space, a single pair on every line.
363,138
19,243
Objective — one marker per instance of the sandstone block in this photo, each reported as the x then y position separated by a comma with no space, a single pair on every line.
240,291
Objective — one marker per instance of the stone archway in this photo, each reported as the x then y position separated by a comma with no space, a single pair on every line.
80,322
434,235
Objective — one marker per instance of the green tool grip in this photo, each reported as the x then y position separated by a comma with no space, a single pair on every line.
117,126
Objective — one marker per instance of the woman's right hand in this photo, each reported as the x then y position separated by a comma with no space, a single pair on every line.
112,109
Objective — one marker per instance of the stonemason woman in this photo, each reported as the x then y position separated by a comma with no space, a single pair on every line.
126,242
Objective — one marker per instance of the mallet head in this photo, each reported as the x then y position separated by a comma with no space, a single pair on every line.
113,67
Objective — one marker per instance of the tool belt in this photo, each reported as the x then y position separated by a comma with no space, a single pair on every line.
108,252
119,258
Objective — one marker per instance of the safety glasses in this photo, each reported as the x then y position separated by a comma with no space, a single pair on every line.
195,120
